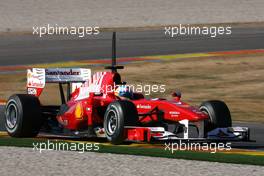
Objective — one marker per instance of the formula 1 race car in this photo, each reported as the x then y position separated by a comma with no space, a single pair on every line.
91,108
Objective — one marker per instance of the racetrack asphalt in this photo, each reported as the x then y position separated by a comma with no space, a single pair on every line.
256,133
30,49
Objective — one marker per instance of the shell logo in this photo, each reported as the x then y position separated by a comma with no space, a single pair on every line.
79,111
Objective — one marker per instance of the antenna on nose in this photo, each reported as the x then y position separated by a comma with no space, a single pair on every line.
114,67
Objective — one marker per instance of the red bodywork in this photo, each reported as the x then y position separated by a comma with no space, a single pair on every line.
86,107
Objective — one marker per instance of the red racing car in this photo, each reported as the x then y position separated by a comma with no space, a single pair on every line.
102,105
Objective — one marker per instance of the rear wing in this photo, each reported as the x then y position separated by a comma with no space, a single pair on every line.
38,77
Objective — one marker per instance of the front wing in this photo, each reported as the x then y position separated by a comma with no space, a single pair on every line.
148,134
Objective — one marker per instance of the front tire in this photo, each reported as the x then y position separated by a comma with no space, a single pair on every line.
119,114
23,116
219,114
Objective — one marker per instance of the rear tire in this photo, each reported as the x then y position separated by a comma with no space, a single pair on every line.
219,114
119,114
23,116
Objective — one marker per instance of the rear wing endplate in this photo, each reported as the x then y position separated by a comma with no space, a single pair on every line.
38,77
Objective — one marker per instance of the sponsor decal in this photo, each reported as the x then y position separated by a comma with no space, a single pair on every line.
64,72
140,106
68,75
36,78
174,113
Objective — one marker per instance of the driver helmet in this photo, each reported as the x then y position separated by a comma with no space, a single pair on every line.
124,91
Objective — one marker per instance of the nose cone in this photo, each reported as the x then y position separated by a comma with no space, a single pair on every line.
185,111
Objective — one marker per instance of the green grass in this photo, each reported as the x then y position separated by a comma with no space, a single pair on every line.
152,152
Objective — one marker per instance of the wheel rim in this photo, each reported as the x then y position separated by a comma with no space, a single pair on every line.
11,116
112,122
